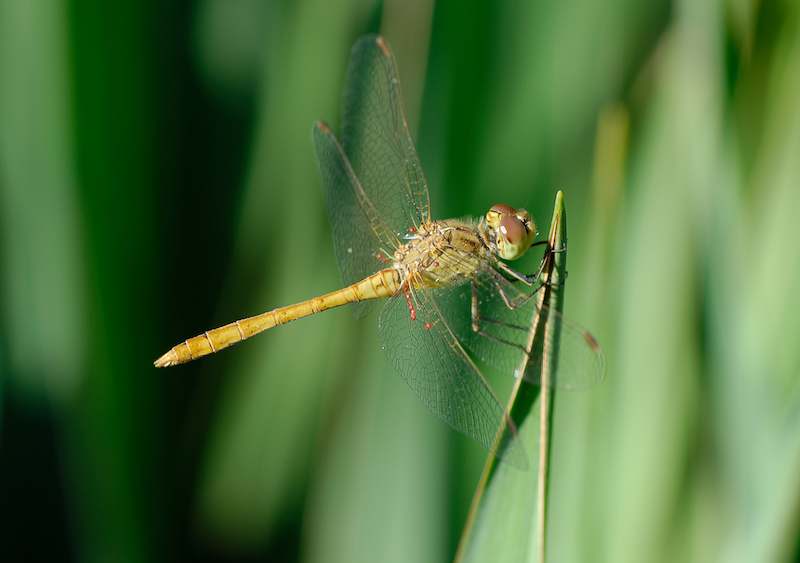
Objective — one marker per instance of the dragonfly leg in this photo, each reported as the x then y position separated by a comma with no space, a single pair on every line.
552,285
514,303
547,283
543,263
476,323
383,257
532,279
475,312
550,250
406,289
527,280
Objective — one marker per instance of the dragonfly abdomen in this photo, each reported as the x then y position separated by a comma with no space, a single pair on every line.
384,283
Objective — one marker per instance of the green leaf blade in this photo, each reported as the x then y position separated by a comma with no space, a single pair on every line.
507,519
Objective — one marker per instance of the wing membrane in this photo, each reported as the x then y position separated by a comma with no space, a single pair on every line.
376,138
504,333
429,357
359,235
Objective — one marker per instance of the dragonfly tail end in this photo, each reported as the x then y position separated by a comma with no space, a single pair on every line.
167,360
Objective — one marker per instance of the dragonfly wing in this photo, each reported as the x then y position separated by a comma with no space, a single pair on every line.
499,345
359,236
580,362
429,357
376,138
504,338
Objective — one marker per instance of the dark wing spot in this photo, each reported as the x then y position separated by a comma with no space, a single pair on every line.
591,341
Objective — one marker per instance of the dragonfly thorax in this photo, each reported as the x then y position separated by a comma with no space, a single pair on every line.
442,253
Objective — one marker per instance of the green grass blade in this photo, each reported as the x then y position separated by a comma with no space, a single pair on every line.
507,521
42,281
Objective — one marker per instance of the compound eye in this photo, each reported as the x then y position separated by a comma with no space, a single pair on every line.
503,209
513,229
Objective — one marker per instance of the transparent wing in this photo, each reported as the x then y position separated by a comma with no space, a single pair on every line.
503,338
359,235
376,138
429,357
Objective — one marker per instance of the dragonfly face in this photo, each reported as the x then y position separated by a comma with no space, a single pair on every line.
508,231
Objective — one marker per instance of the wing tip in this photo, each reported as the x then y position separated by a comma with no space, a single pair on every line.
591,341
382,45
322,127
599,356
365,42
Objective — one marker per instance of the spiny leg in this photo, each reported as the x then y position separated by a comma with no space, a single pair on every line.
543,263
532,279
383,257
476,321
475,313
499,280
406,289
519,276
412,300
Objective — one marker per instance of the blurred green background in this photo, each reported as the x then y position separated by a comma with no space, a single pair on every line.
157,178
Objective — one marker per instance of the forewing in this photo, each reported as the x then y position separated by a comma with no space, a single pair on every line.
376,138
429,357
359,236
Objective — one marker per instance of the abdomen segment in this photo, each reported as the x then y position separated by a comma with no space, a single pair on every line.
384,283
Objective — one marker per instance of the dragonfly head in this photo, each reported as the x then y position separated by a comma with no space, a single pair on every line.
509,232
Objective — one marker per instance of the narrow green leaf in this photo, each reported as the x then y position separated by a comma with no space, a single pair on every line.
507,520
42,283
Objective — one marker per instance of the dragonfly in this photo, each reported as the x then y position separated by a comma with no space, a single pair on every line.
452,307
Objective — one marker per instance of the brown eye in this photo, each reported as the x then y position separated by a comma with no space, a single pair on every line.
503,209
513,229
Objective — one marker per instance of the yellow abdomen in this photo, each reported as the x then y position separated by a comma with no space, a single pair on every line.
384,283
